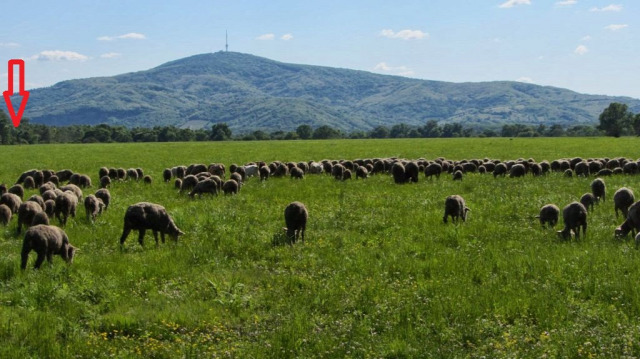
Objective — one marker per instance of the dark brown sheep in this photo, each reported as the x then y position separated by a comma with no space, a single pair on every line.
517,170
177,183
217,169
147,179
631,223
398,173
188,183
39,200
236,177
346,175
12,201
433,169
5,214
604,172
141,172
588,200
575,216
568,173
457,175
93,206
26,174
295,218
599,189
622,199
29,183
46,241
105,181
64,175
455,207
231,187
122,174
362,172
132,174
264,173
297,173
337,171
105,196
549,215
55,180
26,212
113,173
40,218
66,204
581,169
18,190
3,189
73,188
46,187
166,175
206,186
103,171
50,208
411,172
500,170
144,215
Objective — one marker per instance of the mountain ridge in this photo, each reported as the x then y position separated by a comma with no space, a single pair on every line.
254,93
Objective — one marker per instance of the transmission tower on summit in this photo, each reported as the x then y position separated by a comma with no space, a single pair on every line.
226,41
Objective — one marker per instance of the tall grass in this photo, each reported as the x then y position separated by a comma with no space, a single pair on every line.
379,275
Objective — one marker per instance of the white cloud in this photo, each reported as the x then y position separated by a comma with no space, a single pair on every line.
511,3
612,7
581,50
58,55
586,38
287,37
566,2
266,37
111,55
397,70
9,44
129,36
616,27
525,79
404,34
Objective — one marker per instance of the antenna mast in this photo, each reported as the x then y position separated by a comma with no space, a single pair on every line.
226,41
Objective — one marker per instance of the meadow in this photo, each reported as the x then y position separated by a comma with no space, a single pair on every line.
379,275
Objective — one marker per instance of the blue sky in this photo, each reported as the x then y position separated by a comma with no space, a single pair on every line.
586,46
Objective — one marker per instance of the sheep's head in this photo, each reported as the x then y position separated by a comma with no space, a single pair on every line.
565,234
175,232
71,251
620,232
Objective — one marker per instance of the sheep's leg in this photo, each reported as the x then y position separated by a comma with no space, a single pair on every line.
141,237
50,257
155,236
584,229
303,228
40,259
19,225
125,233
24,257
162,237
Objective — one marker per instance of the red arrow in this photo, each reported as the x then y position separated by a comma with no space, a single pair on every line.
24,94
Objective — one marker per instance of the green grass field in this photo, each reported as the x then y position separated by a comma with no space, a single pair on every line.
379,275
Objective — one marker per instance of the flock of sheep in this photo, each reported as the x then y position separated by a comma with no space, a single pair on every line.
61,191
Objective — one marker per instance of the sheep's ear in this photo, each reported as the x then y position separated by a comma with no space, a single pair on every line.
180,233
467,209
284,229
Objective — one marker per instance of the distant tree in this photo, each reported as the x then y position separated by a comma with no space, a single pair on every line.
121,134
431,129
325,132
304,132
260,135
380,132
5,128
220,132
277,135
167,134
399,130
489,133
357,135
291,136
555,131
452,130
615,120
636,124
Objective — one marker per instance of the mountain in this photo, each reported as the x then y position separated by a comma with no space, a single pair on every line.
253,93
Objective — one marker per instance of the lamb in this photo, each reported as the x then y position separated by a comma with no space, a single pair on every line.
66,204
178,183
29,183
188,183
140,172
18,190
457,175
315,168
46,241
622,199
549,214
93,206
295,218
455,207
517,170
575,216
12,201
264,173
411,171
568,173
105,196
147,179
230,187
598,189
500,170
251,170
166,175
5,214
398,172
105,181
26,212
205,186
296,172
588,200
362,172
50,207
144,215
40,218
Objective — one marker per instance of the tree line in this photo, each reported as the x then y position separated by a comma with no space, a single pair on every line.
615,120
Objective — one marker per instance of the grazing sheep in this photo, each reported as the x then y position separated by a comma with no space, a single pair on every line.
73,188
39,200
166,175
457,175
29,183
144,215
177,183
455,207
3,189
622,199
296,172
346,175
113,173
398,172
218,181
141,172
598,189
433,169
251,170
26,174
105,181
604,172
40,218
105,196
315,168
568,173
5,214
243,174
281,170
122,174
103,171
337,171
74,179
482,169
588,200
147,179
362,172
500,170
26,212
581,169
295,218
630,168
46,241
132,174
49,194
549,214
205,186
50,208
55,180
517,170
84,181
236,177
575,216
12,201
93,206
66,204
536,169
264,173
230,187
196,168
64,175
217,169
631,223
18,190
617,171
46,187
188,183
411,172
